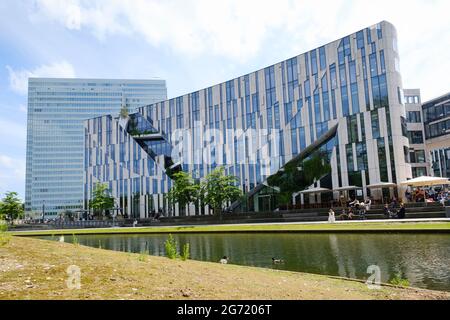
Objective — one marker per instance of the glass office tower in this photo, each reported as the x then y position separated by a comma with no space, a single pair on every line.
55,133
344,98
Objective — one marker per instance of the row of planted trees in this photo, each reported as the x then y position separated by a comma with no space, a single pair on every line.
216,190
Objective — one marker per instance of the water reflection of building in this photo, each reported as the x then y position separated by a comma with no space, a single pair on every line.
341,103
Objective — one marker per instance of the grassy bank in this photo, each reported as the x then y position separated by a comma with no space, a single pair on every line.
36,269
336,227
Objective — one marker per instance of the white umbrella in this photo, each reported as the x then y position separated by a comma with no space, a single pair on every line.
425,181
347,188
381,185
315,190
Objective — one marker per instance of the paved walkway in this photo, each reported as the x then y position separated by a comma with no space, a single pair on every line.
274,223
312,222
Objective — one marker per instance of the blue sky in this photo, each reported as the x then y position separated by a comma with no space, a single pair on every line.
191,44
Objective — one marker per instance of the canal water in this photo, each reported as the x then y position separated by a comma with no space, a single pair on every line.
423,259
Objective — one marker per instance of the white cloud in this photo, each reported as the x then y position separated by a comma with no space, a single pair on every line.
241,31
6,161
18,79
12,174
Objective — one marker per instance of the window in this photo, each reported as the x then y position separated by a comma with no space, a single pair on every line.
322,58
270,86
317,108
349,154
352,128
355,98
345,103
288,111
417,156
404,126
414,117
382,62
314,62
375,124
360,39
419,171
294,141
373,64
333,76
415,137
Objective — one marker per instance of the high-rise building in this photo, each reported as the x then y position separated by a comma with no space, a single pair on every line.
340,104
418,155
55,133
437,133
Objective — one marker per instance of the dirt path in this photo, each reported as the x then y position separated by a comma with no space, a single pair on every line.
37,269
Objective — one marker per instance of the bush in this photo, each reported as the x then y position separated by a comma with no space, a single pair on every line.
399,281
171,248
75,239
185,253
143,256
4,236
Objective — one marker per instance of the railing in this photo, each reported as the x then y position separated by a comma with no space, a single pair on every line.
60,224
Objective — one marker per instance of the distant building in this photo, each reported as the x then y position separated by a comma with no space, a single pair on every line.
418,155
436,114
55,133
343,98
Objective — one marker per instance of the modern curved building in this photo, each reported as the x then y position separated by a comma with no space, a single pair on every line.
343,99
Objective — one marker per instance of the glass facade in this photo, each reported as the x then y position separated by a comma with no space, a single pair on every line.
255,124
436,116
417,154
55,133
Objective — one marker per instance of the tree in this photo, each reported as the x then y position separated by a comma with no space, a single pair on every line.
124,112
183,191
299,174
101,199
11,207
219,189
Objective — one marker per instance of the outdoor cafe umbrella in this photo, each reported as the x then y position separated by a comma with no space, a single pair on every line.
347,188
315,190
310,191
425,181
381,185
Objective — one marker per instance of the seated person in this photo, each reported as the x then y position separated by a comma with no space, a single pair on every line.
354,203
401,214
387,212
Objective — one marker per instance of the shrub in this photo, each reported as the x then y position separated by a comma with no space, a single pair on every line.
185,253
4,236
75,239
171,248
399,281
143,256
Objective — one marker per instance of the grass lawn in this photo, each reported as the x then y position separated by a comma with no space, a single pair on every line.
336,227
36,269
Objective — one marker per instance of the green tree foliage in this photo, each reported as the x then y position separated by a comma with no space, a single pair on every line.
124,112
183,191
298,175
11,207
219,189
101,199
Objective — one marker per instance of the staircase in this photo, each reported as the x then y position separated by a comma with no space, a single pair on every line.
413,210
